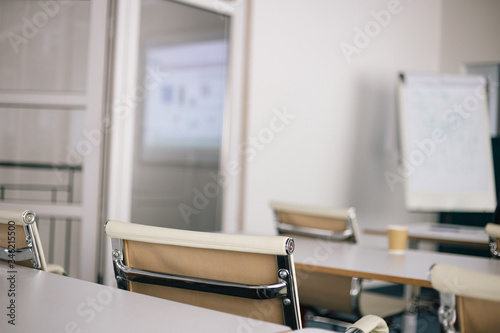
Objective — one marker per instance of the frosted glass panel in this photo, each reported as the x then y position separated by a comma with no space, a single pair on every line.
43,45
183,118
60,238
40,157
40,135
183,58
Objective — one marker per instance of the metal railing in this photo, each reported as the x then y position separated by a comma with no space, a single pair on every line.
53,189
63,191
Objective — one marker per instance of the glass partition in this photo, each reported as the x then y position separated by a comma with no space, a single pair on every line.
44,45
182,72
40,157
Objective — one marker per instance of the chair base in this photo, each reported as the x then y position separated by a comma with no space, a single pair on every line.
325,320
340,322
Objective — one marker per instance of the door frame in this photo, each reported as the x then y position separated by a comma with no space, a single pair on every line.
123,109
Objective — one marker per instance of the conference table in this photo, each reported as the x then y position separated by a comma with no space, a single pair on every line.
46,302
410,268
440,233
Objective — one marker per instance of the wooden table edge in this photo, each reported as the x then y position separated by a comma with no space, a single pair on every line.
364,275
430,239
455,242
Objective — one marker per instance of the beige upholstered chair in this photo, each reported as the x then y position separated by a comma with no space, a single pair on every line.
493,231
319,222
471,297
251,276
20,242
331,298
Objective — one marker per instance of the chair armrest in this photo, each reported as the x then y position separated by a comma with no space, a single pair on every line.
493,230
367,324
463,282
56,269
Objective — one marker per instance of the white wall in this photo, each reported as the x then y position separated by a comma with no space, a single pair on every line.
470,33
342,139
336,150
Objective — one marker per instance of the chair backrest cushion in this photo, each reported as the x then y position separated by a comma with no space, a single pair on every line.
248,261
19,240
316,219
478,296
317,289
477,315
317,222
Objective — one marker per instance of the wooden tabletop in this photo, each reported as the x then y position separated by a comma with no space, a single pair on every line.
411,268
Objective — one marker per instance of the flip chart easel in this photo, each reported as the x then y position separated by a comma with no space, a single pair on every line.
446,157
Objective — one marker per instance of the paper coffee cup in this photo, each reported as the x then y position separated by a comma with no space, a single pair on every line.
397,236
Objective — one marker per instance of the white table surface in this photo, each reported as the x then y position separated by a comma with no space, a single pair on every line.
444,233
410,268
314,330
46,302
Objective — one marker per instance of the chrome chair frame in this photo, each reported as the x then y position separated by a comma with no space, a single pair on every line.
493,231
452,283
354,330
284,289
493,248
31,251
447,313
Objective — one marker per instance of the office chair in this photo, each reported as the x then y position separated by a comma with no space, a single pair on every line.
250,276
493,231
334,300
472,297
20,242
